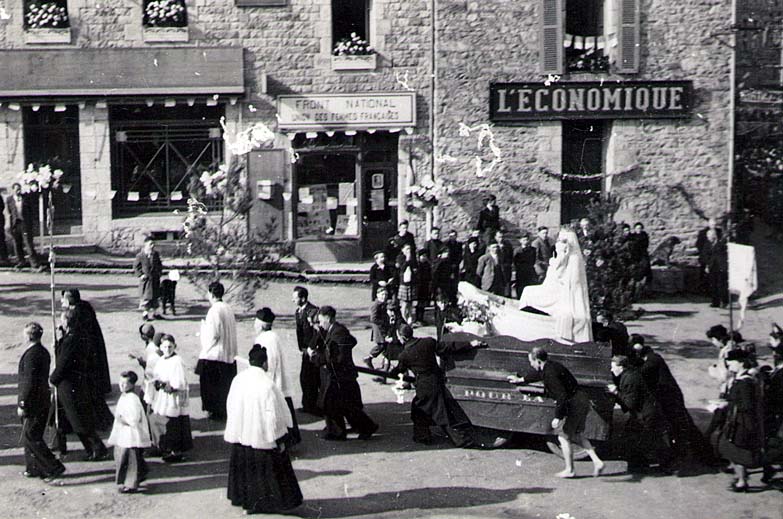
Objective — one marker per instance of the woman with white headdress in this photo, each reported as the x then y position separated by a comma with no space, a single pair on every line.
563,294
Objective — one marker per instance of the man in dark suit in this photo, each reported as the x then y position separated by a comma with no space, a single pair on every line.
33,406
394,248
434,245
341,397
20,221
488,219
714,257
3,248
148,269
506,255
379,323
614,332
524,265
491,273
646,433
382,275
544,251
309,374
434,405
470,258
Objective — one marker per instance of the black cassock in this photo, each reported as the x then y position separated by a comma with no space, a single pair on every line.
646,432
433,403
96,363
340,397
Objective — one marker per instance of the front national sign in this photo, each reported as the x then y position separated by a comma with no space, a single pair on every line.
318,112
520,102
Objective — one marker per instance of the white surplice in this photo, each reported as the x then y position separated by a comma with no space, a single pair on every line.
171,370
258,415
219,334
270,340
136,434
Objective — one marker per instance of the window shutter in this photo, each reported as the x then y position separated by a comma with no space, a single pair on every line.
551,41
629,37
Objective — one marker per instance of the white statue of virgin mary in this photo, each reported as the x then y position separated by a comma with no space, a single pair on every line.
563,294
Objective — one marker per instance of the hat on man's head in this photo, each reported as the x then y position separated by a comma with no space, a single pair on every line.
718,332
266,315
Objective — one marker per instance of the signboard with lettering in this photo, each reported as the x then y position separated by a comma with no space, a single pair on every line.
519,102
318,112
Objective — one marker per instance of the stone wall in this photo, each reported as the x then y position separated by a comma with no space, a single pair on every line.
680,168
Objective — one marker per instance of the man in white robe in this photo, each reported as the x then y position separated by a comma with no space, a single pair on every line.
277,368
216,365
261,478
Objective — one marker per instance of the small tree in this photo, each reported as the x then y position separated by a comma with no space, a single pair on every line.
610,266
223,246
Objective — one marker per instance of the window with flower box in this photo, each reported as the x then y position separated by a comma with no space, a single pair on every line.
351,46
589,36
46,21
165,21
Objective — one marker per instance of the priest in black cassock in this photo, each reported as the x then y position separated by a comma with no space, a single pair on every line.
261,478
433,404
90,335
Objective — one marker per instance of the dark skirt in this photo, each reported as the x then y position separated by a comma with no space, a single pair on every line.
131,467
171,434
750,458
262,481
578,408
215,380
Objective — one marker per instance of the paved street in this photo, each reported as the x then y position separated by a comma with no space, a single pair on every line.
388,476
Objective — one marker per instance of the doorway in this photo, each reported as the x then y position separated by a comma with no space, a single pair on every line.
52,137
583,156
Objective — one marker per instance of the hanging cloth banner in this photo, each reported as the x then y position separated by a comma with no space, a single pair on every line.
743,276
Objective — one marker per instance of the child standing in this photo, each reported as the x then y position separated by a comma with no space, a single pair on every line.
170,420
130,436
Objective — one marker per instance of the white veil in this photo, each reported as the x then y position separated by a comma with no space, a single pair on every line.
573,308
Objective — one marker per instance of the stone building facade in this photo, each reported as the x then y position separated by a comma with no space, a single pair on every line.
164,90
352,135
668,172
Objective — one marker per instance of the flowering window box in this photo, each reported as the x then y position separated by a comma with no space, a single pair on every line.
366,62
165,34
48,35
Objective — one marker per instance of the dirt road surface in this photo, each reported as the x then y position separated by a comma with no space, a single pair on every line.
386,477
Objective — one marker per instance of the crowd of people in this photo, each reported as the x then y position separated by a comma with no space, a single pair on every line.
152,415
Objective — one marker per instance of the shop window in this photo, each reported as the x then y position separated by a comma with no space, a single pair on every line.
165,13
50,14
326,195
583,167
158,151
589,36
351,22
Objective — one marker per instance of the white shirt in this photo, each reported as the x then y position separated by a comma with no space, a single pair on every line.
257,412
219,334
151,357
277,366
137,433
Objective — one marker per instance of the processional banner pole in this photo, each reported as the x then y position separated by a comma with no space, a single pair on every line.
50,224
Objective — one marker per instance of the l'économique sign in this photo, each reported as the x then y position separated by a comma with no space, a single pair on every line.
517,102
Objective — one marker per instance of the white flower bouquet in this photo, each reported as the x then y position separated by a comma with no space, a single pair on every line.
46,15
165,13
37,179
425,194
215,182
353,46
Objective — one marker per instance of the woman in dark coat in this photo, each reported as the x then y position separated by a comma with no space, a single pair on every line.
470,257
433,403
71,377
742,437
